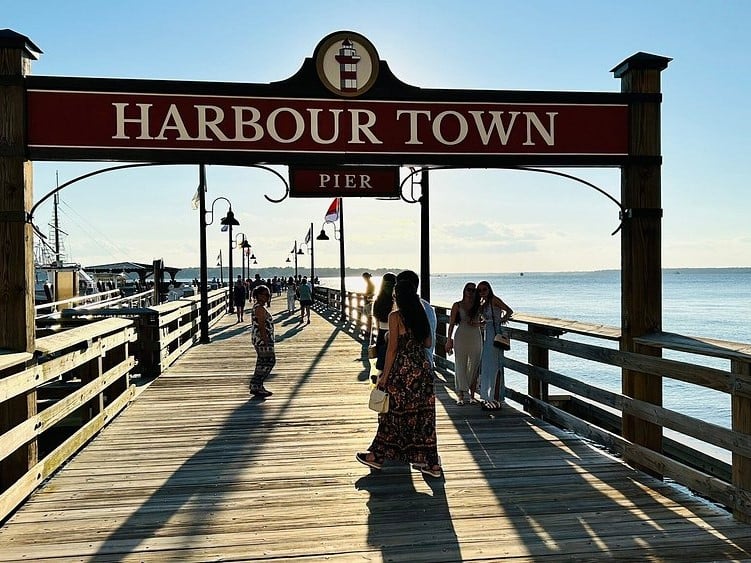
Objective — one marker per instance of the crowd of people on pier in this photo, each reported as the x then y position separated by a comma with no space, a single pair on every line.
405,327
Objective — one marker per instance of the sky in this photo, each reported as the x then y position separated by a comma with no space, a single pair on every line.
481,220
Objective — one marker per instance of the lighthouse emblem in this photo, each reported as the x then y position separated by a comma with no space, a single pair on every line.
347,63
347,59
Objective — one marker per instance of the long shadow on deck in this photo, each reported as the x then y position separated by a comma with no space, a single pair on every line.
559,499
200,484
563,497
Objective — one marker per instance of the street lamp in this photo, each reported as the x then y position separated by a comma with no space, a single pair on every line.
236,244
295,251
227,222
245,246
309,244
324,236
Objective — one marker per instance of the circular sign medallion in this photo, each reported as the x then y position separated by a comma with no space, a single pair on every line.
347,63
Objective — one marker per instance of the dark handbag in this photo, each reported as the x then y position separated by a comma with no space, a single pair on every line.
379,400
372,352
502,341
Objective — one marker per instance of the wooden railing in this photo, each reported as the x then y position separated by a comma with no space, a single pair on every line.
48,313
46,309
79,378
76,379
164,331
596,413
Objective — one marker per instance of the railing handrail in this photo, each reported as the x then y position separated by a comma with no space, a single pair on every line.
543,334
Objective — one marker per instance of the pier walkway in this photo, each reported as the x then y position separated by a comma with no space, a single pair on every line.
195,471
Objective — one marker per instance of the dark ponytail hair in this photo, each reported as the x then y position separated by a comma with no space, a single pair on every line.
385,300
411,310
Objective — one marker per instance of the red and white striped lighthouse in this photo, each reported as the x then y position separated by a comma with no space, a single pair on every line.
347,59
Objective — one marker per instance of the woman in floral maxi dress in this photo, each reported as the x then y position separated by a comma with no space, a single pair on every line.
406,432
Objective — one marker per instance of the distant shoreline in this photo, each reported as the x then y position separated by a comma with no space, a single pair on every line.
191,273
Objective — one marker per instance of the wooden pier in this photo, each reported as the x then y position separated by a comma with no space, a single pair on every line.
195,470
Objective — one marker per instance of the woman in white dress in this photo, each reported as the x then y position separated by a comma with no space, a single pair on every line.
465,343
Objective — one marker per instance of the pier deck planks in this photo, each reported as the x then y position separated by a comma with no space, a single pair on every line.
194,471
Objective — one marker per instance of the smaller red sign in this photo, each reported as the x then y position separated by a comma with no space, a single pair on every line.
344,181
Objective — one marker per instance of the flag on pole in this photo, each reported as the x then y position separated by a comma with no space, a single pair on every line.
194,203
225,228
219,259
309,235
332,215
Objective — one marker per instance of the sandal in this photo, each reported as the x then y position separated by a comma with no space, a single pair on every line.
492,405
432,471
472,401
362,457
460,403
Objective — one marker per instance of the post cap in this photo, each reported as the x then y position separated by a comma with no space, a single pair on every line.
10,39
641,61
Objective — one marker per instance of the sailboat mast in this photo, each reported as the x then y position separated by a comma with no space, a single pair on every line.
57,222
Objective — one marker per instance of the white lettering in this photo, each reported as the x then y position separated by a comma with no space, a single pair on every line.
314,126
121,120
413,140
463,127
324,179
495,123
299,125
364,128
241,122
213,124
365,182
547,135
173,120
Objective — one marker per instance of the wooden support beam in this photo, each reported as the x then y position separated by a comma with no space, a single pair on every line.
16,236
641,245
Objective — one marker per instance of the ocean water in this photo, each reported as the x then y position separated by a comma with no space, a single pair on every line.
712,303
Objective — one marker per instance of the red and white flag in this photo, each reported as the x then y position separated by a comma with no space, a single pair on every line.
332,215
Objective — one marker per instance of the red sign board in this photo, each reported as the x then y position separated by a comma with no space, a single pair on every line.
344,181
91,121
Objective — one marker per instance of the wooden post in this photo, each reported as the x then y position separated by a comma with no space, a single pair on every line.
16,197
741,422
641,248
539,357
17,253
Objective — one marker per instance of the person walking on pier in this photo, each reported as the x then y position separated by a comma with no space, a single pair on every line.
495,313
239,296
262,336
382,307
466,343
368,307
291,294
306,299
407,431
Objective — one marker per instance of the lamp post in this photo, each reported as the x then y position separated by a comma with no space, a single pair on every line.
245,245
295,251
324,236
309,244
227,222
204,275
236,244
